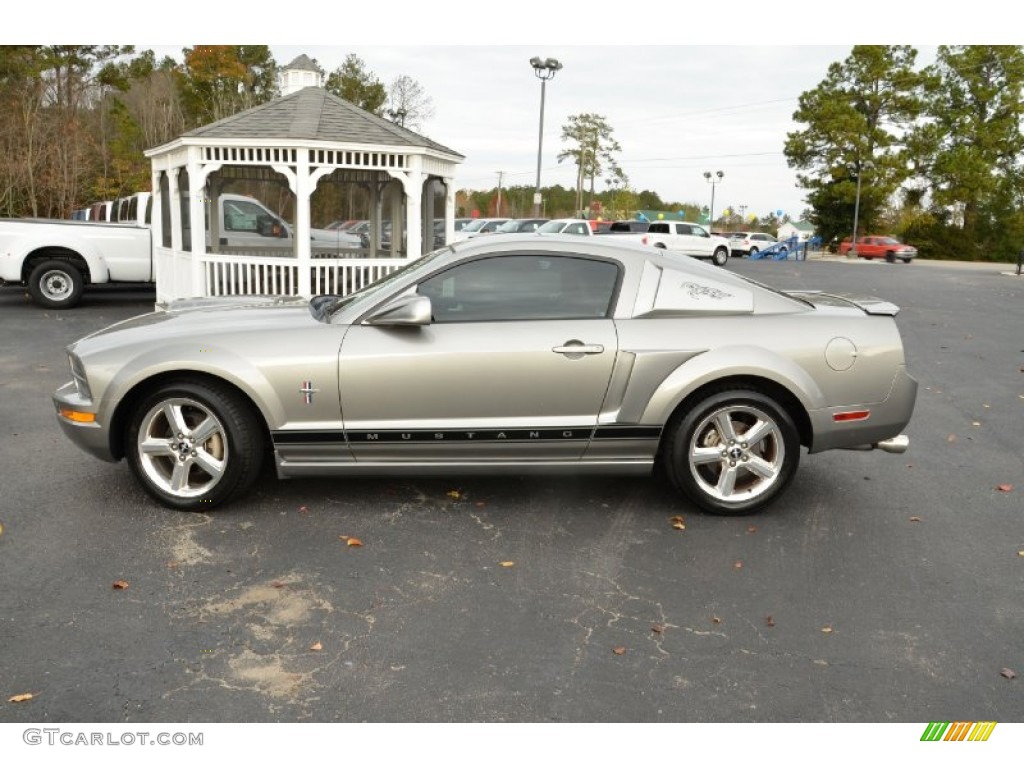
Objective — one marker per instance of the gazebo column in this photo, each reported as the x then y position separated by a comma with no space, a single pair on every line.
449,209
398,223
412,186
197,220
304,244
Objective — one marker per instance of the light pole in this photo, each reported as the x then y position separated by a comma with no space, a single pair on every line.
545,69
867,166
713,179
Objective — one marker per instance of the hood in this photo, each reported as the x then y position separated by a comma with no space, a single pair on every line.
202,319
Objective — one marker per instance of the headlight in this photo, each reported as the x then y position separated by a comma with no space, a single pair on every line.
78,374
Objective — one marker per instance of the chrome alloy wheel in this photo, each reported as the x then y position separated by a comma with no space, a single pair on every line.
736,453
182,447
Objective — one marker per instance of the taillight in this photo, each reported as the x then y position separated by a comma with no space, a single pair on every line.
644,240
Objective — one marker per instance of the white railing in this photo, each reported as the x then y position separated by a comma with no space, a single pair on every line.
276,275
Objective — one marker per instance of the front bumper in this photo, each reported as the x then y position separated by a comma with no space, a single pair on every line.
92,437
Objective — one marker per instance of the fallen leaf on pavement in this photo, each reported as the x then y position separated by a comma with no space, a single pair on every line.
827,629
915,519
659,628
679,525
303,510
20,698
975,423
507,563
120,584
455,494
317,646
769,621
951,439
715,620
1004,487
1006,672
354,542
619,650
738,564
752,529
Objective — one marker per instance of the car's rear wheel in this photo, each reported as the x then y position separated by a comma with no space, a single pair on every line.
194,444
752,251
720,257
733,453
56,284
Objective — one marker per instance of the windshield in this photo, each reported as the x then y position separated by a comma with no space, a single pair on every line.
889,241
509,226
475,225
340,302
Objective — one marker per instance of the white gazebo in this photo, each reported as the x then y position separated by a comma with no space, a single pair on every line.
271,183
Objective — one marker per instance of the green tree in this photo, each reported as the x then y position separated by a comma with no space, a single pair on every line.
971,145
353,82
591,148
857,122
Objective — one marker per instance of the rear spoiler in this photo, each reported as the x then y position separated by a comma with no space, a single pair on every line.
868,304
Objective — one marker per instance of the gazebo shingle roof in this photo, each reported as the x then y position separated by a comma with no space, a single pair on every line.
314,114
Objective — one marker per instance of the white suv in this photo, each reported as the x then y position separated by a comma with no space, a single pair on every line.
749,243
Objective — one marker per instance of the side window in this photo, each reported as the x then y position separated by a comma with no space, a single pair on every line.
659,228
685,229
240,216
522,288
577,229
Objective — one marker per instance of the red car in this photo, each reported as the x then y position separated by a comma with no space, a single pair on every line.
880,246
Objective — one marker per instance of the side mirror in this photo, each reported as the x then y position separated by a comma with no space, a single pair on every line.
405,310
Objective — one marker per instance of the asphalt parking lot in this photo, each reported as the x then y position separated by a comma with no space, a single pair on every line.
881,588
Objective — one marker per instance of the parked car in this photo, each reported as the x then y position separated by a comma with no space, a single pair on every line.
749,243
565,227
879,247
478,227
500,354
518,226
679,236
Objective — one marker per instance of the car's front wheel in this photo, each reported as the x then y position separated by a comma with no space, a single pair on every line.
752,251
720,257
194,444
732,453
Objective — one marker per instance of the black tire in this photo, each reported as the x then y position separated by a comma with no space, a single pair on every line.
720,257
56,284
890,257
722,473
193,445
906,261
752,251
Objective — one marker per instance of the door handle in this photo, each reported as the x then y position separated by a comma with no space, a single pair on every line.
576,349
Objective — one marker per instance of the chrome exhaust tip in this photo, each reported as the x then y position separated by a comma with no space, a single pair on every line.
898,444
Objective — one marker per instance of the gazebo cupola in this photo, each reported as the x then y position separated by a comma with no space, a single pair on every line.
303,72
274,186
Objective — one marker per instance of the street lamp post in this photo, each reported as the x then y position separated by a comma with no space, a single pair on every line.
545,69
713,179
852,253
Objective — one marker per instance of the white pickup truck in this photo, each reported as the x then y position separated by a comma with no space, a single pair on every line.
56,258
681,236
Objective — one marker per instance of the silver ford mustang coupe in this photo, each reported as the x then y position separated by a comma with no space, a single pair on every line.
520,354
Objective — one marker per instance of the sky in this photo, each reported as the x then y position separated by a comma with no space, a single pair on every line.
685,89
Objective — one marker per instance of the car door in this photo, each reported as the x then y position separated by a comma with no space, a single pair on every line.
514,366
